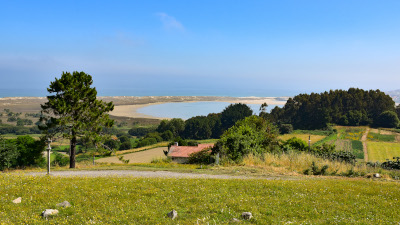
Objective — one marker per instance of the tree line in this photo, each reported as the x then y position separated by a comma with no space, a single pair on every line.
353,107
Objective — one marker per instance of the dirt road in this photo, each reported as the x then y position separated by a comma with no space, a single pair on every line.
364,142
148,174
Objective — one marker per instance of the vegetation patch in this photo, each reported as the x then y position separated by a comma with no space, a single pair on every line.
381,151
381,137
304,137
357,147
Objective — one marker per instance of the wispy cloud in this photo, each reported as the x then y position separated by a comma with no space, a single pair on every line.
169,22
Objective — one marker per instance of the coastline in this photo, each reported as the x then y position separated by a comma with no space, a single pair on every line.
131,110
127,106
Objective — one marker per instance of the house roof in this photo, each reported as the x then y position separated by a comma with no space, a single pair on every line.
185,151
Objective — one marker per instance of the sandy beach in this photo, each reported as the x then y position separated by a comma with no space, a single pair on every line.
127,106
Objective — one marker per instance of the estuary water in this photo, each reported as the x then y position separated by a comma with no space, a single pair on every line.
186,110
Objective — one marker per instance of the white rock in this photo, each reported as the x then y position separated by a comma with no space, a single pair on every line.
173,214
247,215
377,175
17,200
49,212
64,204
234,220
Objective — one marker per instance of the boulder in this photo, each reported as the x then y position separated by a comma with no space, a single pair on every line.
377,175
173,214
17,200
49,212
247,215
64,204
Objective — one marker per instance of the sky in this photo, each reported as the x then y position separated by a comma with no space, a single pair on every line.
245,48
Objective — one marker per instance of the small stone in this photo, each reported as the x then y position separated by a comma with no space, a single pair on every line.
234,220
64,204
377,175
247,215
49,212
17,200
173,214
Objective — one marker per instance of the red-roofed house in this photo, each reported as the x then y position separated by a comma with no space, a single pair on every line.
180,154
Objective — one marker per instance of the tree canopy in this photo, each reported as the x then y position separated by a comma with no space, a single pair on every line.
352,107
73,110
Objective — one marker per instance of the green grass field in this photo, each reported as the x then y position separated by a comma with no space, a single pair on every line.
111,200
381,137
380,151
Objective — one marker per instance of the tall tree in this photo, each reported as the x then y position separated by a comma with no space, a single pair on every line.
73,110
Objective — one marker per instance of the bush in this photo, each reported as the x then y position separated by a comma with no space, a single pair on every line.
154,135
124,138
59,159
285,128
141,131
252,135
125,146
314,170
297,144
202,157
146,142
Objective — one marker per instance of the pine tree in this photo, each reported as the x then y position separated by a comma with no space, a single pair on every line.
73,110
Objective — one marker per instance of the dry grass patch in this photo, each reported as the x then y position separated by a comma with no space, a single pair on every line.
299,162
304,137
138,157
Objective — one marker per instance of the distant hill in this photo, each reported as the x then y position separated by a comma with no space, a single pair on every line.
395,95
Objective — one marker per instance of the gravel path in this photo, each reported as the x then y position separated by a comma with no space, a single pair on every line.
133,173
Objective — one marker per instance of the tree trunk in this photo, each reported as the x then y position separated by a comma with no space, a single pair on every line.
73,150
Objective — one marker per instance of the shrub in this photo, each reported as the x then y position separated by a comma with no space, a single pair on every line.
202,157
141,131
252,135
124,138
314,170
59,159
285,128
296,143
126,145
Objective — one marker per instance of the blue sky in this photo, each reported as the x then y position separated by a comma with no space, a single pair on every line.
202,47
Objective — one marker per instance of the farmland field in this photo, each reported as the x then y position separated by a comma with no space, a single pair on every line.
112,200
304,137
380,151
138,157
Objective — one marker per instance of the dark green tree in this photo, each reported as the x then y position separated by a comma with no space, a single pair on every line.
73,110
234,113
388,119
8,154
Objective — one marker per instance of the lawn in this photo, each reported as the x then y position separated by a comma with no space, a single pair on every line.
112,200
304,137
380,151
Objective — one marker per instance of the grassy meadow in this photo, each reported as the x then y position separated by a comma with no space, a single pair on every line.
112,200
380,151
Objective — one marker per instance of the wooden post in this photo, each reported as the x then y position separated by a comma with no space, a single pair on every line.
48,156
309,143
